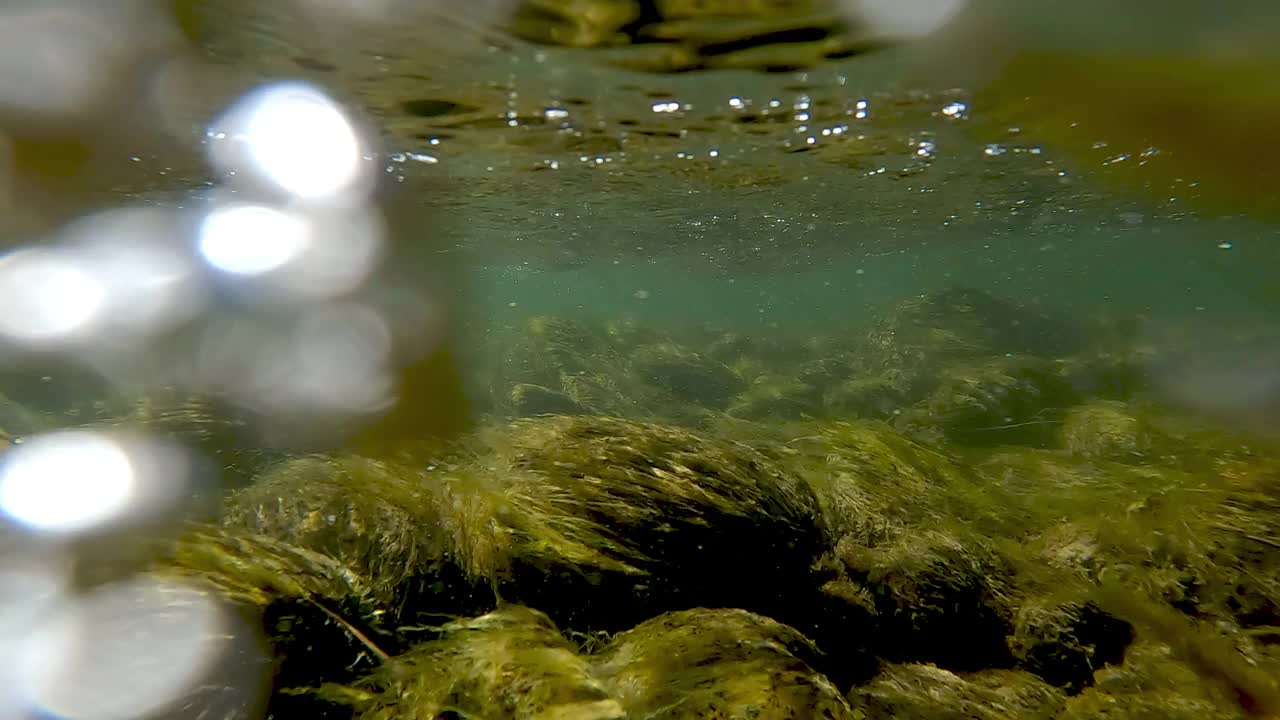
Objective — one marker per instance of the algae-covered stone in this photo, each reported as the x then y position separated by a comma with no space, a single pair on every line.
875,397
629,519
926,692
1103,374
870,479
512,663
721,664
966,323
937,599
1104,429
422,539
686,374
776,397
321,619
1151,684
555,365
1002,401
529,399
1064,643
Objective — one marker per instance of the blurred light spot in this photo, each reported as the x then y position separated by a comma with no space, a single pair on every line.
337,358
905,18
28,588
666,107
47,296
341,250
72,481
294,137
51,55
65,481
124,651
956,110
149,282
252,239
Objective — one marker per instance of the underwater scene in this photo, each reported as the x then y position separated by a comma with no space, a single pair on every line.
652,360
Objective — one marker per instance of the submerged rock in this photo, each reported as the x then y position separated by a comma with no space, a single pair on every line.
925,692
1066,643
613,521
775,397
964,323
687,375
937,599
1011,400
1151,683
511,663
425,542
320,618
528,399
1104,430
724,664
873,397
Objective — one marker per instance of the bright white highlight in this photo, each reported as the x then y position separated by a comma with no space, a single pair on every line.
66,482
294,138
47,295
252,239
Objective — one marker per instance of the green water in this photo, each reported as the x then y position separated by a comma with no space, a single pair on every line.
1172,272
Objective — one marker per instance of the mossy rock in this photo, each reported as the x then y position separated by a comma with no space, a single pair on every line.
555,365
512,663
1009,400
527,399
546,348
613,521
1116,375
1200,541
688,375
874,397
926,692
937,598
320,618
965,323
426,541
1151,684
1104,430
1064,643
870,478
718,664
776,397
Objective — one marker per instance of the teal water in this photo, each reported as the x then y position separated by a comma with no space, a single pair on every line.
1180,271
